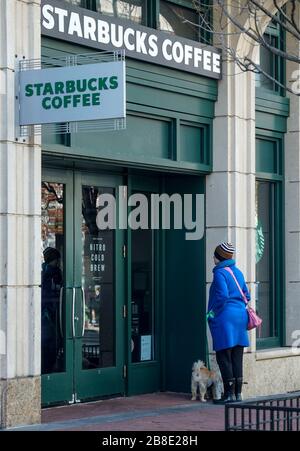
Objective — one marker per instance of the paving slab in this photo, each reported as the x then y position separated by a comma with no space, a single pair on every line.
150,412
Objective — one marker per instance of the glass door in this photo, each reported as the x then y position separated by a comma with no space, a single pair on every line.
143,294
144,288
57,284
99,271
82,288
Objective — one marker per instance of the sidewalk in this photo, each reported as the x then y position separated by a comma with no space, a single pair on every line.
151,412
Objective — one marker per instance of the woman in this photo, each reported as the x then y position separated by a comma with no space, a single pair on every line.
52,282
227,319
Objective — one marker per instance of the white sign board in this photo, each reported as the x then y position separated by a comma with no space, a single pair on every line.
146,346
72,94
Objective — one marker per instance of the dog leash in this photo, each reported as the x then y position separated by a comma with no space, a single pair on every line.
207,350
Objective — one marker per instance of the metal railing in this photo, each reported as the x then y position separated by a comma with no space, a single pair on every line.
273,413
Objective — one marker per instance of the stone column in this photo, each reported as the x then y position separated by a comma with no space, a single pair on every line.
292,199
20,178
230,189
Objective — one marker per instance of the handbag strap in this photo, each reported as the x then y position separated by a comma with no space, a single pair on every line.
238,285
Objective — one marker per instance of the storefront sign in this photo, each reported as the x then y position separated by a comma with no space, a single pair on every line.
70,94
64,21
101,258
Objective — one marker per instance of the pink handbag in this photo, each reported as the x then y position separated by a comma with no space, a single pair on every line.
253,319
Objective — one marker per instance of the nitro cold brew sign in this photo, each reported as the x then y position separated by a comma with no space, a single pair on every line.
64,21
70,94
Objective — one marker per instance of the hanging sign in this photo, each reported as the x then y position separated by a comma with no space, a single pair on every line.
72,94
62,20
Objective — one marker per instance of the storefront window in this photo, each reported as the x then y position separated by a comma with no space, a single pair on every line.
266,260
52,258
98,348
134,10
88,4
178,17
178,20
142,301
270,63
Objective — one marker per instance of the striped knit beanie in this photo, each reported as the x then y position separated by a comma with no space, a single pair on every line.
224,251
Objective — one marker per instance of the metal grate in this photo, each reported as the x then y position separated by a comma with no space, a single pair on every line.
71,60
274,413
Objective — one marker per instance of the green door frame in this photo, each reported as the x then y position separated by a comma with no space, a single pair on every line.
145,377
101,381
59,386
76,384
272,171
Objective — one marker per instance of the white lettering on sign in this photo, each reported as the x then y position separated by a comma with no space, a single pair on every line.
103,32
62,13
198,57
207,60
75,25
216,63
153,48
129,45
165,49
90,28
48,19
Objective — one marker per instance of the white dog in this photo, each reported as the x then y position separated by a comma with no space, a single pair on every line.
203,378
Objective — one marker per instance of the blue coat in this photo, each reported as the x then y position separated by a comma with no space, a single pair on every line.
228,326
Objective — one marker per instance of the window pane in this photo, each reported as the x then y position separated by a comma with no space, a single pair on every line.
142,301
178,20
269,64
133,10
98,348
81,3
52,329
265,293
191,144
124,9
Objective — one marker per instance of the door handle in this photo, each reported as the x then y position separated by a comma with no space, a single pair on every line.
76,318
73,311
61,291
83,311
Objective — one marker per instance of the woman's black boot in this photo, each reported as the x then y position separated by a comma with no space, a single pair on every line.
229,388
238,389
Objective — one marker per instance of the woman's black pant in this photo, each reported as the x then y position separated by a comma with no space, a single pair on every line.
230,362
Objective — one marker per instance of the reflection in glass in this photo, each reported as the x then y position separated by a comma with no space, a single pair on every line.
265,302
133,10
124,9
179,21
53,355
98,349
142,301
268,64
81,3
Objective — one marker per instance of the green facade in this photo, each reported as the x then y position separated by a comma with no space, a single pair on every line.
167,112
167,147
